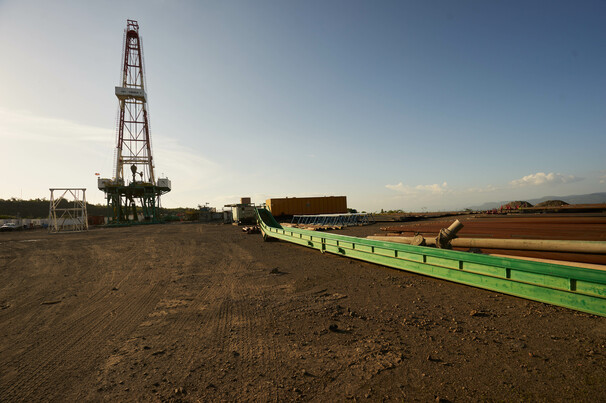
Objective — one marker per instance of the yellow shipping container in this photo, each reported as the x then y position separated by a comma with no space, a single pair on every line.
307,205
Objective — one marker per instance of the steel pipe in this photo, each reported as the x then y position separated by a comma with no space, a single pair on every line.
548,245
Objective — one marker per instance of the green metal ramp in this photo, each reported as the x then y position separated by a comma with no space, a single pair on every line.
576,288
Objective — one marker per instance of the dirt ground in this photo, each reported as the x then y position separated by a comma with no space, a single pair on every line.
201,312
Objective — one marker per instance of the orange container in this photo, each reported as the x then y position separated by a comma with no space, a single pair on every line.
307,205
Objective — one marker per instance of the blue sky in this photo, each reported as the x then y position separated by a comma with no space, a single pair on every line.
395,104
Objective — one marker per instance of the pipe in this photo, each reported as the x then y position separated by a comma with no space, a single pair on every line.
446,235
409,240
551,261
595,247
598,247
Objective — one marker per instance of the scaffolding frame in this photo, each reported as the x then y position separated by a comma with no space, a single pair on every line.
68,219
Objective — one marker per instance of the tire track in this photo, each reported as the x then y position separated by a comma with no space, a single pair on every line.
93,306
205,323
239,336
179,317
64,352
102,316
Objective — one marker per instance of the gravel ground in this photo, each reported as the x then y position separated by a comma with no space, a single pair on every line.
200,312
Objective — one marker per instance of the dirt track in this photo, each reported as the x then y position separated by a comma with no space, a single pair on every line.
204,312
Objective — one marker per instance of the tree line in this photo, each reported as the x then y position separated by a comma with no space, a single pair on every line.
39,208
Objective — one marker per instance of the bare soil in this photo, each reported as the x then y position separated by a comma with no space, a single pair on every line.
200,312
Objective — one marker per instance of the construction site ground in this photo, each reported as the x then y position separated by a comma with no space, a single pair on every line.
203,312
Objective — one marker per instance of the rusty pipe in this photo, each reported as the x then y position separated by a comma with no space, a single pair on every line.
548,245
446,235
597,247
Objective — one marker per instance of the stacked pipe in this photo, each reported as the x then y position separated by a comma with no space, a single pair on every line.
586,237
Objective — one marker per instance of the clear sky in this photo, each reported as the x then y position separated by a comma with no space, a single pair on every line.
395,104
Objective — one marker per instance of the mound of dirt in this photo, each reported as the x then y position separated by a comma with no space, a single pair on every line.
515,205
552,203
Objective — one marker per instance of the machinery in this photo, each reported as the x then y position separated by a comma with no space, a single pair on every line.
244,212
583,289
133,196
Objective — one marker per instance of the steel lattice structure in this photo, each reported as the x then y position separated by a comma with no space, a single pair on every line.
134,142
64,215
131,198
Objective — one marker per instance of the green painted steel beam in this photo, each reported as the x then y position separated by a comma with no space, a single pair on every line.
576,288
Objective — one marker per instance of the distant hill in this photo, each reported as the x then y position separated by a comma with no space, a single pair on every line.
591,198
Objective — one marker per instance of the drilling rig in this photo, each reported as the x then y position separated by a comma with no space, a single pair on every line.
134,196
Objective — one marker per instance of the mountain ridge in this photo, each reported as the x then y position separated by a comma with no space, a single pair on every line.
589,198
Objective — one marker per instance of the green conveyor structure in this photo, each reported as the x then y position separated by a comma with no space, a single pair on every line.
581,289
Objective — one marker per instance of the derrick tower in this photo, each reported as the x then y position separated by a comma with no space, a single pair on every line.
135,194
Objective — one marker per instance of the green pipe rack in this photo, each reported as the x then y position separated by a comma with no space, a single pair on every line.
581,289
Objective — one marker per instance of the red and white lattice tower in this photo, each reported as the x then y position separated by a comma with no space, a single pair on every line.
133,148
133,195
